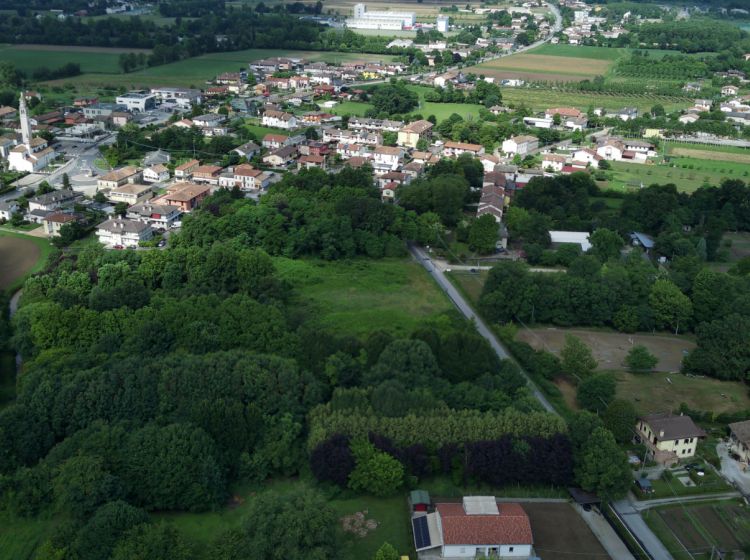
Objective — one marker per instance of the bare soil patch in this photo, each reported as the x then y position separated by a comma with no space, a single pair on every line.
17,257
560,533
681,526
610,348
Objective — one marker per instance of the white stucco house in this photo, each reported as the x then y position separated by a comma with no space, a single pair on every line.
123,233
478,526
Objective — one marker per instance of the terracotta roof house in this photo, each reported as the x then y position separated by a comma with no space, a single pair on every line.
478,526
412,133
669,437
185,196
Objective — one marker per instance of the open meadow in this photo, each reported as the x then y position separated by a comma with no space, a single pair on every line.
196,71
357,297
93,60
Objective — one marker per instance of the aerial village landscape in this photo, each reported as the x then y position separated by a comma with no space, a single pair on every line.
381,280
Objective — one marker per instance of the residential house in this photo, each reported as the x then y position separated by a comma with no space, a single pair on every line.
730,90
492,200
54,221
410,135
275,141
245,177
478,526
425,158
739,440
311,161
564,112
131,193
123,233
669,437
388,191
208,174
7,209
283,157
119,177
185,196
120,118
611,149
488,162
156,174
7,143
585,157
7,114
54,200
625,114
387,158
555,162
688,118
279,119
455,149
158,216
248,150
184,171
520,145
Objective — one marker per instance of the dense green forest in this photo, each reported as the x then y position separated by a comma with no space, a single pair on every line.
154,380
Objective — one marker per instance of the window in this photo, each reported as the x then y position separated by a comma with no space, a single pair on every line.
683,451
510,549
689,451
687,440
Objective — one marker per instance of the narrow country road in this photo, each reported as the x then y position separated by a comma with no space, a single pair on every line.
626,510
453,294
648,504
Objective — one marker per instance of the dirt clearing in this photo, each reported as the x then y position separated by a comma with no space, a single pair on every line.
17,257
610,348
561,534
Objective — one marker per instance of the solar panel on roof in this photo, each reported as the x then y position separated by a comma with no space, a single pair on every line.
421,532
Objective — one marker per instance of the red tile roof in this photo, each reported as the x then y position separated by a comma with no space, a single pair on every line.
512,526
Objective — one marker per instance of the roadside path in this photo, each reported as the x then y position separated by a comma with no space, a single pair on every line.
453,294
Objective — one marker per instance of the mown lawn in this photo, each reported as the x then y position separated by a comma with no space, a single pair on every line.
356,108
357,297
687,173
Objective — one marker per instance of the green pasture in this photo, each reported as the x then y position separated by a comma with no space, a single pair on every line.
578,51
29,59
356,108
196,71
357,297
688,174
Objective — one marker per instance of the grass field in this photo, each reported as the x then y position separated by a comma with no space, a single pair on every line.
390,513
579,51
20,255
687,173
356,108
195,71
658,392
93,60
357,297
690,531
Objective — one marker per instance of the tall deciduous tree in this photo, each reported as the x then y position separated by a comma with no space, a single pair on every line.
672,309
602,466
483,234
576,358
596,392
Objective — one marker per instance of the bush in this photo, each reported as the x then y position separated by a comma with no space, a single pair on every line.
640,360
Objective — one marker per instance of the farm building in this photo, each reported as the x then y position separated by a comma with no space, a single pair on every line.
478,526
578,237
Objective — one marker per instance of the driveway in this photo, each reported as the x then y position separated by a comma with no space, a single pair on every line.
732,470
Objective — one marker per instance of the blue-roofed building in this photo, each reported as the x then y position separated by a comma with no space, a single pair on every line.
639,239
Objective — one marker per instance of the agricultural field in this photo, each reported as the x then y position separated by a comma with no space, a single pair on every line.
692,531
579,52
358,296
196,71
687,173
93,60
560,533
537,67
20,255
541,98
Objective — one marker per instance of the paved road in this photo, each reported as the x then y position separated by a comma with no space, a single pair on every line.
631,517
648,504
607,536
458,300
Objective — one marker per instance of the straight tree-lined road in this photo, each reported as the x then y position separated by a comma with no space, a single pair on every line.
625,509
466,310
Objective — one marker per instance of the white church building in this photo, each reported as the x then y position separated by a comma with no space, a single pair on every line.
32,154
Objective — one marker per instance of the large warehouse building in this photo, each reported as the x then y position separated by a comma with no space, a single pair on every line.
362,19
